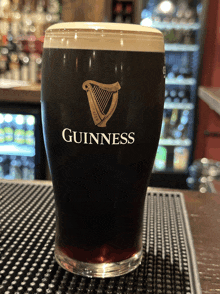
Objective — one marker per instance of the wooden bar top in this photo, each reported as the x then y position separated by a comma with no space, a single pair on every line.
211,96
27,94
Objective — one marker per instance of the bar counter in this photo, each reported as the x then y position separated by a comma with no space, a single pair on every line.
210,95
204,218
28,94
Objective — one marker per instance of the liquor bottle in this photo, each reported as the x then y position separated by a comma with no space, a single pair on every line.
11,45
14,66
15,19
53,11
119,18
40,18
29,134
5,11
39,66
26,18
128,13
8,128
128,19
33,68
24,62
19,133
13,61
4,61
128,8
118,9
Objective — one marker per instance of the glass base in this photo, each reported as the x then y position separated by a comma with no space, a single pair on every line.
98,270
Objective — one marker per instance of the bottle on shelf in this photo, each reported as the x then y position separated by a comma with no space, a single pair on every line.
165,130
181,94
25,168
19,133
15,19
33,67
29,133
173,122
14,66
26,19
8,128
15,171
24,62
176,100
118,10
160,159
39,66
4,62
39,18
181,157
5,9
173,94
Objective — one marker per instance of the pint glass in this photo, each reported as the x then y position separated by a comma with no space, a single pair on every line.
102,105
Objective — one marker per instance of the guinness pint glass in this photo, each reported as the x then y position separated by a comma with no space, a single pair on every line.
102,105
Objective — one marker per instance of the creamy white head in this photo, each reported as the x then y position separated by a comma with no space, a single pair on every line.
104,36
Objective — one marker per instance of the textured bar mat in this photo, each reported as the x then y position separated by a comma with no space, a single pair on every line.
27,263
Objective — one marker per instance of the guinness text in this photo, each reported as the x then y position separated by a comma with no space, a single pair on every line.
98,138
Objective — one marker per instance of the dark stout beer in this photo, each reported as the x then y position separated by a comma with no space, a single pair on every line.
102,106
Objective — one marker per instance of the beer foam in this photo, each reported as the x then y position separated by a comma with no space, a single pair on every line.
104,36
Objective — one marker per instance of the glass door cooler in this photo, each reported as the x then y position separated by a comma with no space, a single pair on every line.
180,21
22,154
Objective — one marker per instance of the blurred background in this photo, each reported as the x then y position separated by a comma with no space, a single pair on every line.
188,153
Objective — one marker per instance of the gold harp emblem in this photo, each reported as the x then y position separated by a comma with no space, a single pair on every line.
103,99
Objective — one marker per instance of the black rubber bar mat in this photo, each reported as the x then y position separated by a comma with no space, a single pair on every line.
27,263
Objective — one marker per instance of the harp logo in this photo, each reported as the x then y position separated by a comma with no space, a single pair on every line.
103,100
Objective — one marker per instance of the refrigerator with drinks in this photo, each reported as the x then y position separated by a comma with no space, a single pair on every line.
22,154
182,23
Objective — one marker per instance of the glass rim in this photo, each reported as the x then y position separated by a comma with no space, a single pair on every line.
104,36
68,27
